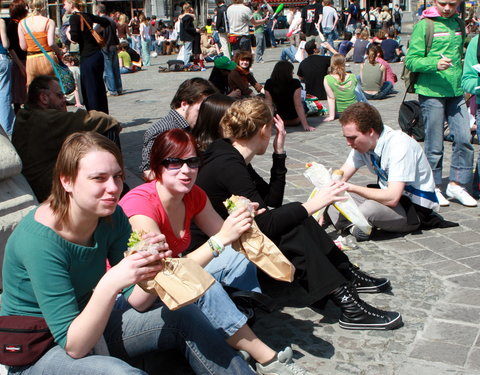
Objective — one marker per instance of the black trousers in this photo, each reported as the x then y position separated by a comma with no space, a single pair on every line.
93,87
318,261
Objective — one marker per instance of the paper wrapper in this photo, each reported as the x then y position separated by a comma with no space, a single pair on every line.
181,282
259,249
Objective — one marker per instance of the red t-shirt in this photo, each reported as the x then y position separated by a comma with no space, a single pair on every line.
144,200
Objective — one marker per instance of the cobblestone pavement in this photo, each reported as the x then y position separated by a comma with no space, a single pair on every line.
435,274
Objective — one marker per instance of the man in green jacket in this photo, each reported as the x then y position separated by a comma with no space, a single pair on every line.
441,96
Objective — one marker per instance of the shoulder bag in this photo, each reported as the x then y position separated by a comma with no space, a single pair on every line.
98,38
64,75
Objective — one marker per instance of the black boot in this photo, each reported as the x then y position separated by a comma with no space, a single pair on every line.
357,314
365,283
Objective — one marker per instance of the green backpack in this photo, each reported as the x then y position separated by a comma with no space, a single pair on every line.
409,77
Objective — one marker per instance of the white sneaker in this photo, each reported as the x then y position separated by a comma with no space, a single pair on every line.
282,366
460,194
442,201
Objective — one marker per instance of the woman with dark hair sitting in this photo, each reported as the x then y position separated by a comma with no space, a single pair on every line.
321,268
241,77
285,91
209,115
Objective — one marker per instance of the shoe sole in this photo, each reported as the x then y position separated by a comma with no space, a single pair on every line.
379,327
463,204
374,288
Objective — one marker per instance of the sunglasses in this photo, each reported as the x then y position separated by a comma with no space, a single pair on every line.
177,163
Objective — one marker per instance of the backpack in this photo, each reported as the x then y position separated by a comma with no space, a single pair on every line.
396,16
410,120
175,65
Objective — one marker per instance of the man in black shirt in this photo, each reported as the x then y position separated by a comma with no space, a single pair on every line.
311,20
313,70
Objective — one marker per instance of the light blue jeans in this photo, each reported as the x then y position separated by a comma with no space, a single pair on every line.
146,46
130,333
261,45
330,35
187,52
476,177
111,70
288,54
233,269
135,43
434,112
7,116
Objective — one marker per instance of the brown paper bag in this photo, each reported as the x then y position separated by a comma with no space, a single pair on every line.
181,282
260,250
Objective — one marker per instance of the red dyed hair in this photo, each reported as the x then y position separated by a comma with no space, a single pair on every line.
173,143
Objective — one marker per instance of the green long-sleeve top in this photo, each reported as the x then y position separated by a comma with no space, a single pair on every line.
447,40
470,78
46,275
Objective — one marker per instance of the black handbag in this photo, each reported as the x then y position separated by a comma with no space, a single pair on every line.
24,339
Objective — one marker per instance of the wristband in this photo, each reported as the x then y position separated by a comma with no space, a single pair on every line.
216,246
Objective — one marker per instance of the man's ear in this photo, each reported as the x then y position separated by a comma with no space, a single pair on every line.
43,98
67,183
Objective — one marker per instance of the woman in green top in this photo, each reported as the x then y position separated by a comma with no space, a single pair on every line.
54,267
339,86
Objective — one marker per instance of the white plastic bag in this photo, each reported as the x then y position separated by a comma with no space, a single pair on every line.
319,176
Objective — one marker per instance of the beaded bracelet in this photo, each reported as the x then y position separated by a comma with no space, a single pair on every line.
216,246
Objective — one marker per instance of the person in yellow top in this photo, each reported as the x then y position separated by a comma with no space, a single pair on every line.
124,60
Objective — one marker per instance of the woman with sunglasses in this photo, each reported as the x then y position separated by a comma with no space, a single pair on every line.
168,205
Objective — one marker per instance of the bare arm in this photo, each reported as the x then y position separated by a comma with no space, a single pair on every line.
330,101
348,171
389,196
51,38
3,34
297,100
21,36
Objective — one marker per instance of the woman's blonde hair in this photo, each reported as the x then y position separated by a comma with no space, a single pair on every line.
79,4
364,34
74,148
186,7
122,19
245,117
36,6
337,66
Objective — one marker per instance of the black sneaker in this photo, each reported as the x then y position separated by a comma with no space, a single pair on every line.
365,283
357,314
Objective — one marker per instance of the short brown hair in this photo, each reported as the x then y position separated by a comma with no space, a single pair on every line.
191,91
18,10
74,148
245,117
365,116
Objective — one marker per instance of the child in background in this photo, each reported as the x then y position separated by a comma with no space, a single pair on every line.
346,45
73,64
241,77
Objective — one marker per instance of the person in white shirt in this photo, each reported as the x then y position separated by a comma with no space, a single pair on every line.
239,19
405,199
329,22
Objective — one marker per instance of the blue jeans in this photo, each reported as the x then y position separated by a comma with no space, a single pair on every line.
288,54
7,116
233,269
386,89
124,70
271,35
187,52
330,35
245,43
111,71
136,43
130,333
261,44
476,176
434,112
146,45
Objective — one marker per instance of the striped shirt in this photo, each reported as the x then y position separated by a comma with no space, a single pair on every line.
172,120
